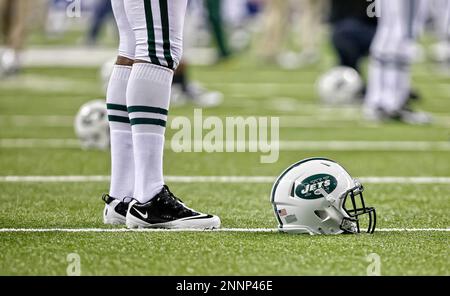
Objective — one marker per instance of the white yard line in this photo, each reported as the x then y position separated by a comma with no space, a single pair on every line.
217,179
53,179
38,120
245,230
364,145
40,143
283,145
317,119
67,56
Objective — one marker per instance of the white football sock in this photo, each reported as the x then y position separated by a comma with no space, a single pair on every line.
374,85
148,152
388,86
148,96
122,159
396,90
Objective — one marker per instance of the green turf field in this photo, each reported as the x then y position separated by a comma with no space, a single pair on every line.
41,104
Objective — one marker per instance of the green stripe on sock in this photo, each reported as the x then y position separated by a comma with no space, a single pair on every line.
114,118
116,107
166,32
147,109
150,121
150,33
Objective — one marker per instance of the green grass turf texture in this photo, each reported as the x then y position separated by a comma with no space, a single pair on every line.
250,89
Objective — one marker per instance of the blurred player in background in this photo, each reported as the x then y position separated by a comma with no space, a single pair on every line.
185,90
241,19
57,22
138,96
13,14
440,14
392,53
279,25
101,13
353,31
217,25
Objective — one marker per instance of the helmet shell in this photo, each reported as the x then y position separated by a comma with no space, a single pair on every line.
340,85
308,197
92,126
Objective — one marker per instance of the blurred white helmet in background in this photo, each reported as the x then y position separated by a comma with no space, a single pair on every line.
91,125
318,196
340,85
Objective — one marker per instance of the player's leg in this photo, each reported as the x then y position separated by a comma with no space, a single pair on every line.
14,19
275,21
101,13
446,33
377,68
158,31
352,39
214,8
441,15
122,158
416,14
311,27
392,54
447,22
158,28
446,26
409,26
184,90
3,20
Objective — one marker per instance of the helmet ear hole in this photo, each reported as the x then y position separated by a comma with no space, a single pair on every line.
322,215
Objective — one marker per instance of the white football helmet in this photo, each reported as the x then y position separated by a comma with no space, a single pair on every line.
91,125
318,196
340,85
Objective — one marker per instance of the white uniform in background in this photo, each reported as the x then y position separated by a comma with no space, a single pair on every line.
393,49
234,11
440,12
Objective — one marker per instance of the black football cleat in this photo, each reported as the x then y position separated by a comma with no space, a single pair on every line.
405,115
115,211
166,211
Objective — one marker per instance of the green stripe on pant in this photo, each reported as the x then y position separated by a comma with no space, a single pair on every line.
166,32
150,33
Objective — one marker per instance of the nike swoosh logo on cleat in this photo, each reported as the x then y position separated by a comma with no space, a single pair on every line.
200,217
142,215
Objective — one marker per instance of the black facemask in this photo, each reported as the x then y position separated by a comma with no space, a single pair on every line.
355,210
